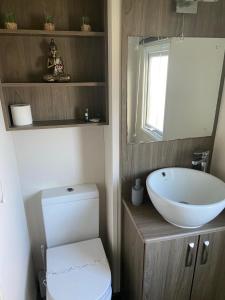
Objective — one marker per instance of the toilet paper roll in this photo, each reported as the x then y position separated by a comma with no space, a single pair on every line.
21,114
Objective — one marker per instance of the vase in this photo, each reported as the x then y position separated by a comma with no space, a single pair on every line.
86,27
11,25
49,26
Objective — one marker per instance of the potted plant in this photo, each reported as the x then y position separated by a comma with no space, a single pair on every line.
10,21
85,24
49,23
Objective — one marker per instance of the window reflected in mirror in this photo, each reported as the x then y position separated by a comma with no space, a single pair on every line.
172,87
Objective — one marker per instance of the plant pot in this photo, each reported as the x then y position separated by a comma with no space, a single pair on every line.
11,25
86,27
49,26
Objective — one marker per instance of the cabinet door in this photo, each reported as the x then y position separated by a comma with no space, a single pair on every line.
209,278
169,269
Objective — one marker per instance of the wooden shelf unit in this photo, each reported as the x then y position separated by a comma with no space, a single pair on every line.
52,84
56,33
23,58
56,124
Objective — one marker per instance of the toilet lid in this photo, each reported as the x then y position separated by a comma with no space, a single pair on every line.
78,271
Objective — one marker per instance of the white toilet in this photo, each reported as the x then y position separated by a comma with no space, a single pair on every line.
77,267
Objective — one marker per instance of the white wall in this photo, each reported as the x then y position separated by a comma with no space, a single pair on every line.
57,157
112,142
16,274
218,159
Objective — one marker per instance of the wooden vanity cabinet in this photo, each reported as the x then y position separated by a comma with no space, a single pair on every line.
209,276
169,269
182,265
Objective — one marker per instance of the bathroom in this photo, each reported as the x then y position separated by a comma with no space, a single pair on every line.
143,255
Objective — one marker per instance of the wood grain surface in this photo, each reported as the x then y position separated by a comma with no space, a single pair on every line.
209,279
152,227
160,272
23,61
67,14
133,260
166,276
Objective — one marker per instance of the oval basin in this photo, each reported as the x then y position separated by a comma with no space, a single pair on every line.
186,198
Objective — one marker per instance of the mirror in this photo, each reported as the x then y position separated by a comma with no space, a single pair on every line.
172,87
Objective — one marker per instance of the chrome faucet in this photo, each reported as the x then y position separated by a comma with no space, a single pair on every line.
200,161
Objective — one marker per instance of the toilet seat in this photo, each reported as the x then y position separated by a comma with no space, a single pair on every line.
78,271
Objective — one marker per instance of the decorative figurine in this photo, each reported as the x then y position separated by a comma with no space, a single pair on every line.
85,24
55,66
10,21
49,23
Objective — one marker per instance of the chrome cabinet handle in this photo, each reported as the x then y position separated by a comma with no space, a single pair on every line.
205,253
190,255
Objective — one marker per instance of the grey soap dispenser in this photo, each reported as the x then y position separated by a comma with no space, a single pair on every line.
137,193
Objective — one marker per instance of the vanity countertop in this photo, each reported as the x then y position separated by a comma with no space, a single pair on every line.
152,227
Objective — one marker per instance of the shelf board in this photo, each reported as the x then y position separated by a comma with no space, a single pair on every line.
63,33
55,124
52,84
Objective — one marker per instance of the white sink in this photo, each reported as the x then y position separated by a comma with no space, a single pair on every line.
186,198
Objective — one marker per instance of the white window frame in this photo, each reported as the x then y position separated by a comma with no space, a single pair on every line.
151,49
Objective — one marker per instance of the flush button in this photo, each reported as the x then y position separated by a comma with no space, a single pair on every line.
70,190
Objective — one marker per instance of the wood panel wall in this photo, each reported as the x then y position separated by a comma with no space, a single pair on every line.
25,58
158,18
67,13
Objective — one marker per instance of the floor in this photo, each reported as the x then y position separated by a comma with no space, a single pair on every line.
115,297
